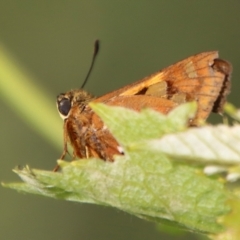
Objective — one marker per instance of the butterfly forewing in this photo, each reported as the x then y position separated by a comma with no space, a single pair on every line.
193,79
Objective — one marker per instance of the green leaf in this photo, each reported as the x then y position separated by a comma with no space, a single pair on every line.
208,144
158,191
232,111
144,182
129,126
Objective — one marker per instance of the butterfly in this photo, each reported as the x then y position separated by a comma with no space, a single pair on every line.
203,78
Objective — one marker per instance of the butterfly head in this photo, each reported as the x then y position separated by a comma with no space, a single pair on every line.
65,101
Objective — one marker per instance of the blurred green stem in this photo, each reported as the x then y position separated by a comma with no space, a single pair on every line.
20,91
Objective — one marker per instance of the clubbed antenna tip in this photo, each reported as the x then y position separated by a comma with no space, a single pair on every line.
96,50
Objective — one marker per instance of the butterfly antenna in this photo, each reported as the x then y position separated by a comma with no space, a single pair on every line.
96,50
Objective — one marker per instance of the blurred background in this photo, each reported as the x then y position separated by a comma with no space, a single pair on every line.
53,42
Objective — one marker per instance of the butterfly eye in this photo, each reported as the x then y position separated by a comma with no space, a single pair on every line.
64,106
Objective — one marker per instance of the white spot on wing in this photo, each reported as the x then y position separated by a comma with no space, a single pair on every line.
104,127
120,149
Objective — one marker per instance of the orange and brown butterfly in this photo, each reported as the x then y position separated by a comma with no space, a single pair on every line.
203,78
